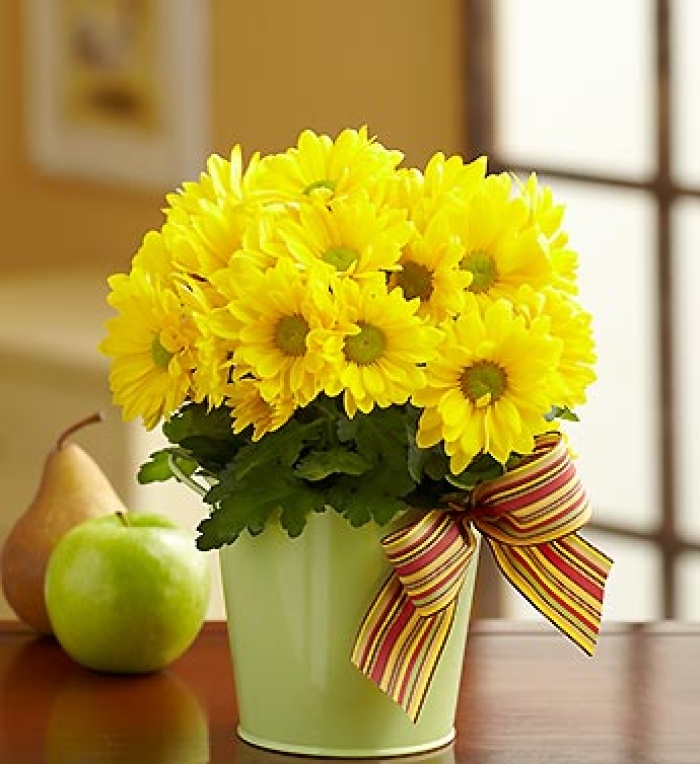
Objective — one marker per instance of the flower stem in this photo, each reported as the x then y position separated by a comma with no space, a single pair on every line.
186,479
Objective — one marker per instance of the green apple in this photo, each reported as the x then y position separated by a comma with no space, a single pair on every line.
127,592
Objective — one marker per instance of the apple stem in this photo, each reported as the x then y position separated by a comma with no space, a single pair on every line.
124,519
92,419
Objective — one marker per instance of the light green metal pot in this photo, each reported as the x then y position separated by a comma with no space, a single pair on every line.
294,607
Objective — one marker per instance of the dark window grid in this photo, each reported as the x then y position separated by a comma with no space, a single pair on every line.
481,60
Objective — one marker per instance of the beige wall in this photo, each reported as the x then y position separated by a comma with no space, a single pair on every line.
277,67
48,222
393,64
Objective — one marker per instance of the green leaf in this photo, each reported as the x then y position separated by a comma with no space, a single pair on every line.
347,428
158,468
280,448
226,523
383,440
211,453
359,503
561,412
436,464
194,419
374,432
482,468
296,508
378,437
427,461
320,464
206,435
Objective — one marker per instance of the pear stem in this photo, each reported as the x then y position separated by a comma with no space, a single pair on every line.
123,519
92,419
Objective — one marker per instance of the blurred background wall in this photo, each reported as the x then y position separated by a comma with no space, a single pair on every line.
274,68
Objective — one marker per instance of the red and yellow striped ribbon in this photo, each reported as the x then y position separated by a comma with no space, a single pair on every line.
530,517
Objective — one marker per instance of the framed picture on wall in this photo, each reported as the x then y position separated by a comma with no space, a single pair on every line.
117,89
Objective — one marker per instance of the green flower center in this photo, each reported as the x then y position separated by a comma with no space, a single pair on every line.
340,257
290,335
483,382
161,357
416,281
483,269
327,184
366,346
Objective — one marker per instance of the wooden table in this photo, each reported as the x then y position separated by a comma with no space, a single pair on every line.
527,696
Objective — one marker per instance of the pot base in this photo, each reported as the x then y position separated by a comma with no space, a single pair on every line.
345,753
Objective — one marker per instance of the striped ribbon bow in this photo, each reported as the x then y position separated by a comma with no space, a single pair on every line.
529,517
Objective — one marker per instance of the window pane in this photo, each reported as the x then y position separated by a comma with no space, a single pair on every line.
686,90
574,84
689,587
616,439
632,592
687,358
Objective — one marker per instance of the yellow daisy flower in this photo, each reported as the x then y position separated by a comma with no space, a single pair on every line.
214,354
430,271
272,314
447,183
206,220
150,343
547,217
501,253
384,347
446,177
202,245
544,213
225,180
320,164
348,236
490,387
250,409
571,324
154,257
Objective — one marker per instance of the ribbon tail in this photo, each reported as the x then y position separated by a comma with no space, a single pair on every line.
399,649
564,579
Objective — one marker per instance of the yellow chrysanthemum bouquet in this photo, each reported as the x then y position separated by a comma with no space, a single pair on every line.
324,330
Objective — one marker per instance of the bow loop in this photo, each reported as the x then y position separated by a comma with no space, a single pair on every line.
430,559
537,502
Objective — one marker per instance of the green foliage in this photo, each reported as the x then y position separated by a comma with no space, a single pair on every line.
319,465
380,439
483,467
367,468
562,412
250,504
205,435
259,483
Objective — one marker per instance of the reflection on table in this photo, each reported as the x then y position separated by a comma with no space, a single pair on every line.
527,696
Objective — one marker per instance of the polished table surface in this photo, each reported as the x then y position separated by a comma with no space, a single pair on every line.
527,696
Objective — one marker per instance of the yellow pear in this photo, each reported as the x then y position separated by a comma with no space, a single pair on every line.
73,488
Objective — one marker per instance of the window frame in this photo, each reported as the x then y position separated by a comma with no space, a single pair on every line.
481,60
